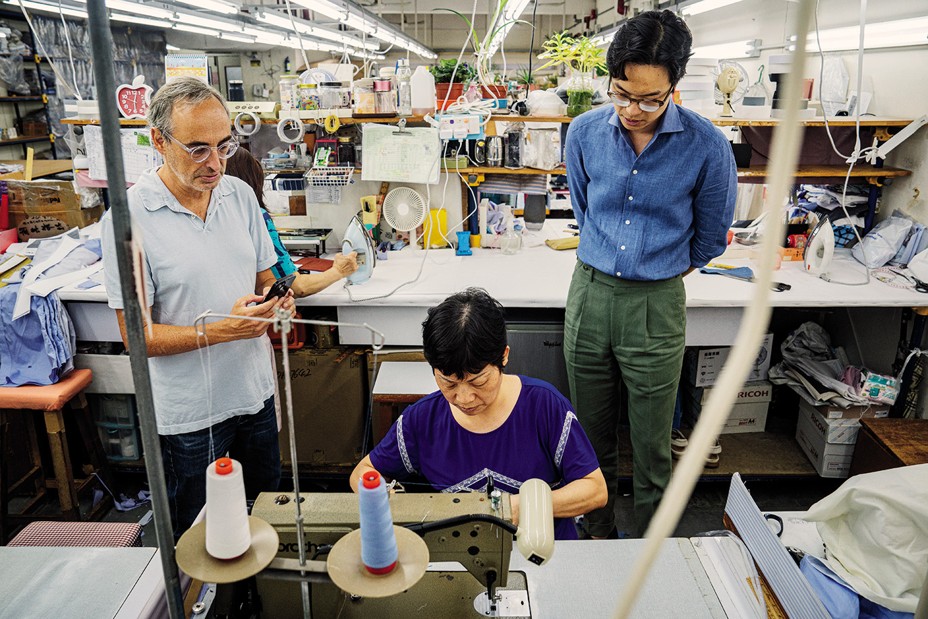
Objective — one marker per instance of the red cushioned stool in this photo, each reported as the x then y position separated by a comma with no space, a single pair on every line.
100,534
52,400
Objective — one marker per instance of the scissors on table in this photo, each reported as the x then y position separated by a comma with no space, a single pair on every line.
918,284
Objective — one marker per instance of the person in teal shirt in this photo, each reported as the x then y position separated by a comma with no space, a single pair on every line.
243,165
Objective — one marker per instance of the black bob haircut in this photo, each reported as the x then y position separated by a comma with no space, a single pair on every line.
658,38
465,333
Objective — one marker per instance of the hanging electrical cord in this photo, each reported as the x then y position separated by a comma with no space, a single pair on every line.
296,32
852,159
38,41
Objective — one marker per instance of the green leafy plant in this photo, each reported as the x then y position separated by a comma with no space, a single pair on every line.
446,68
524,76
576,53
484,49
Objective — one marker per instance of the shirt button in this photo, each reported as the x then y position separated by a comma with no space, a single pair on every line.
630,198
619,274
628,221
622,248
634,171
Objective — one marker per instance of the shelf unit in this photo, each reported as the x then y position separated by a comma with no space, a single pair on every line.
16,101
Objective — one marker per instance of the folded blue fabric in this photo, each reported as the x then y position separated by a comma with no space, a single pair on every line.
744,273
840,600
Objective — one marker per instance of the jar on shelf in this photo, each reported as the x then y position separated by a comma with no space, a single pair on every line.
365,99
333,96
386,97
309,97
345,152
288,95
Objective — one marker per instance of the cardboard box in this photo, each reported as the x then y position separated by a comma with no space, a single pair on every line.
52,223
749,414
329,401
39,197
871,411
705,364
829,459
835,431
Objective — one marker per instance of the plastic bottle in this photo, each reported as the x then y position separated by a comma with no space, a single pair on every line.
403,88
423,91
510,243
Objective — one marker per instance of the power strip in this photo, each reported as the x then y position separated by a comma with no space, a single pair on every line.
459,126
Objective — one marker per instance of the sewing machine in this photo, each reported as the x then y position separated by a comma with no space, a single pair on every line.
474,530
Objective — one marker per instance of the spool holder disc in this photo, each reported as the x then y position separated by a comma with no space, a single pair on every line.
192,557
349,574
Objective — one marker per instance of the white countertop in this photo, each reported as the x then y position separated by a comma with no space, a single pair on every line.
539,277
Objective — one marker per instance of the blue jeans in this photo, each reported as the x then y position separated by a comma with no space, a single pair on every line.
250,439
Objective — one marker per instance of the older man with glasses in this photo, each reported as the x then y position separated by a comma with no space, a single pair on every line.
653,188
205,248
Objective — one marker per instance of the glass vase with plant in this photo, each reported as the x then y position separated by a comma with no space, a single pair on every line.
582,59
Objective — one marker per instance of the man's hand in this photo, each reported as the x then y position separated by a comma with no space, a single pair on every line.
237,329
346,264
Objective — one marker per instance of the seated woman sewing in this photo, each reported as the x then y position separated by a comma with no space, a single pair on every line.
483,423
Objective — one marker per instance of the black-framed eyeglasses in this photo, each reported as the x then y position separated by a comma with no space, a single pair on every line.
645,105
199,154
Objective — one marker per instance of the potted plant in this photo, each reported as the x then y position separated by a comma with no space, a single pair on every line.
447,92
582,59
526,78
485,49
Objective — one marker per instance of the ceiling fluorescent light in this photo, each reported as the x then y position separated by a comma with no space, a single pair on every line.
329,9
897,33
171,48
355,17
137,8
736,49
139,21
281,20
189,19
511,13
196,30
48,8
216,6
234,36
703,6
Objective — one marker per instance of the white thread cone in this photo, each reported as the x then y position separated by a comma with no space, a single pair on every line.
227,532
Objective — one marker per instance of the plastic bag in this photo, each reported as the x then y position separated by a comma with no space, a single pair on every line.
882,243
545,103
542,148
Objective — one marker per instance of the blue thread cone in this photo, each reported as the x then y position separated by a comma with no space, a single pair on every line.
378,540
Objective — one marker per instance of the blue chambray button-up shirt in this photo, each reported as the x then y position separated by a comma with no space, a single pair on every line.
651,216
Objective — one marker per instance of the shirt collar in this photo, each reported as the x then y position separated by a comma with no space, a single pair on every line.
156,195
669,123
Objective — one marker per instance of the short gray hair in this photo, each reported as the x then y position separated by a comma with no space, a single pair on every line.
183,90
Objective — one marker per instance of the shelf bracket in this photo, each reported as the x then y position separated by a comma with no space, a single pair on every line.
475,179
882,134
876,181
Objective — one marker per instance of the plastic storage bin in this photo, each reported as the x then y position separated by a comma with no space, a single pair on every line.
119,444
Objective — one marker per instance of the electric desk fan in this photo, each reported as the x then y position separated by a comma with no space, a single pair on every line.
404,209
731,84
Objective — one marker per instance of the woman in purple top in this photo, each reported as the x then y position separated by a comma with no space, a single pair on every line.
483,423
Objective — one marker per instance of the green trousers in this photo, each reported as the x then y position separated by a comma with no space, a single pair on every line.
620,331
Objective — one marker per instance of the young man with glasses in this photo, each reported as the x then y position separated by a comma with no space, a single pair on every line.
206,248
653,188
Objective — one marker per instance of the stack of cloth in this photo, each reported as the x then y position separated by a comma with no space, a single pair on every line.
37,338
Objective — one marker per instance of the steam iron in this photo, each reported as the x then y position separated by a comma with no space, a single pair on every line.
820,249
356,238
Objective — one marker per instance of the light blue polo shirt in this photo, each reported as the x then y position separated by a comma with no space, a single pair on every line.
192,266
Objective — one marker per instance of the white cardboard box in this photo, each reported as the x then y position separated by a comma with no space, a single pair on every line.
749,414
707,364
833,411
834,431
829,459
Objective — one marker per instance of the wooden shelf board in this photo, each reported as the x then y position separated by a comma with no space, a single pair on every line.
819,171
25,140
523,171
836,121
18,99
125,122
